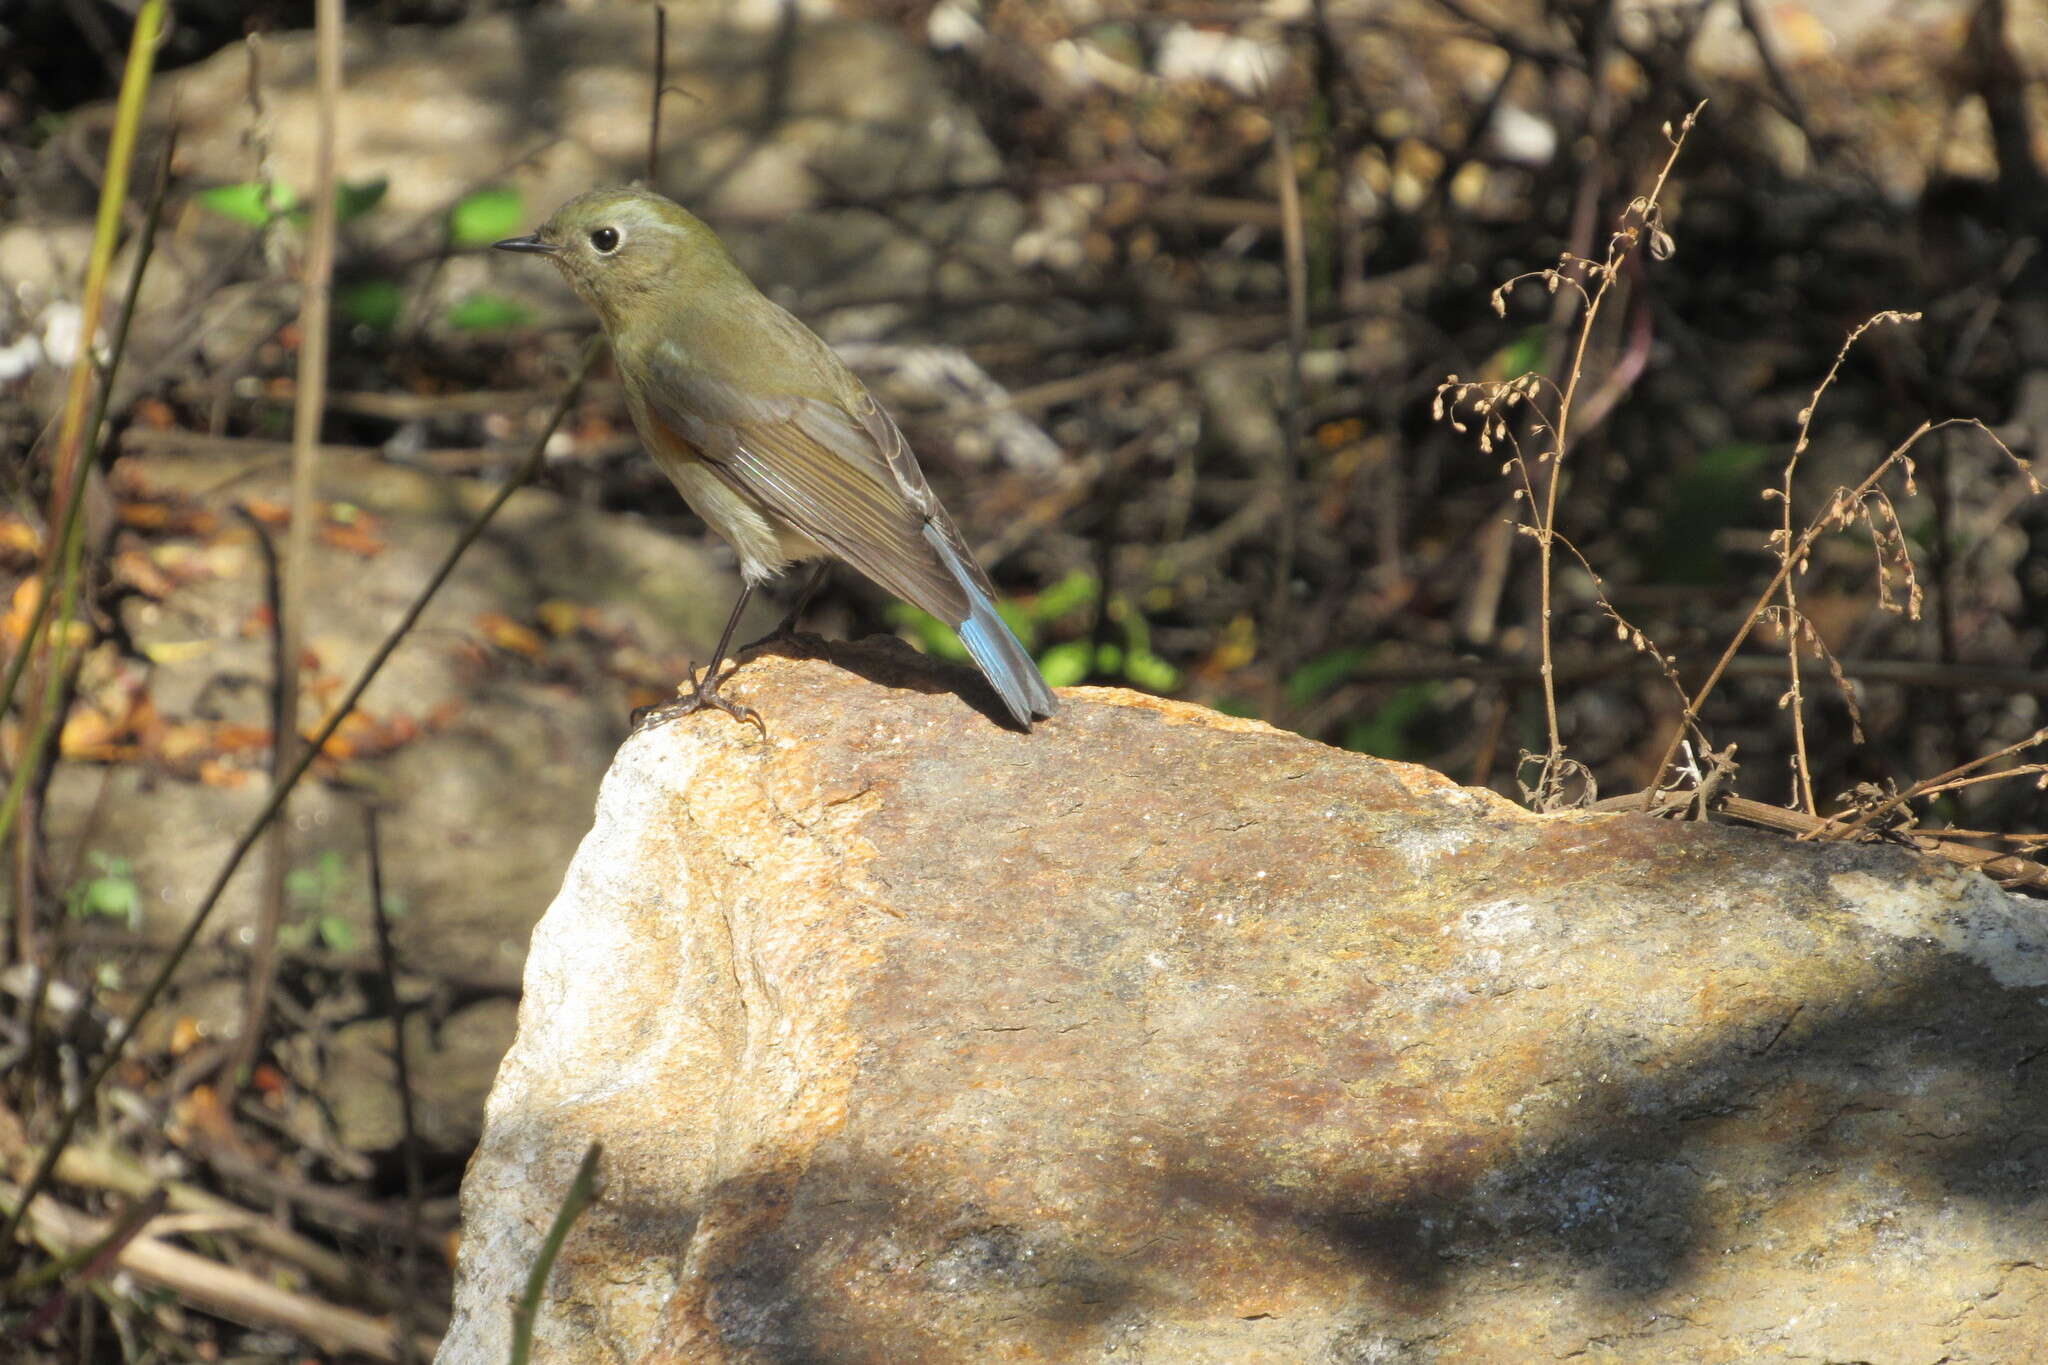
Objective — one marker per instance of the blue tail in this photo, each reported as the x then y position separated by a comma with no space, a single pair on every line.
994,646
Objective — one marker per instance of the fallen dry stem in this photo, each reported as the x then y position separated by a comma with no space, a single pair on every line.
219,1289
316,295
107,1168
1956,778
85,1265
2007,867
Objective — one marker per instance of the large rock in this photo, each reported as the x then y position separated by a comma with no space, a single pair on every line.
1157,1035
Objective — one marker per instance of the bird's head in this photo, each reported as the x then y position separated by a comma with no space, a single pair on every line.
616,246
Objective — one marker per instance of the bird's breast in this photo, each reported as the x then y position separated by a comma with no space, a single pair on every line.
764,543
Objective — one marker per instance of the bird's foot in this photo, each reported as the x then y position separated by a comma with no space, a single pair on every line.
705,695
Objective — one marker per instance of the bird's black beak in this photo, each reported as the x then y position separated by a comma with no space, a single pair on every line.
530,242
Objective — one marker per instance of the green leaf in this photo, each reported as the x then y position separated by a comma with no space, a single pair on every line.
113,893
1151,672
1523,355
1385,733
485,217
928,631
1314,679
114,897
373,304
337,933
488,313
1074,591
354,198
314,888
1718,492
253,202
1065,664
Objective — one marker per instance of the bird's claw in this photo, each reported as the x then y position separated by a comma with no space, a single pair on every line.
704,695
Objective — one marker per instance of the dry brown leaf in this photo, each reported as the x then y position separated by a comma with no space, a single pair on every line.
269,511
509,635
240,739
182,741
200,1111
136,569
88,733
215,773
19,540
186,1034
560,617
356,537
155,414
21,609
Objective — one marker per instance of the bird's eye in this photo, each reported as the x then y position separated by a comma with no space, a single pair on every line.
606,240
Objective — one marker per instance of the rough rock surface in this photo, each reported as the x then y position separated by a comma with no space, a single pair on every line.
1162,1036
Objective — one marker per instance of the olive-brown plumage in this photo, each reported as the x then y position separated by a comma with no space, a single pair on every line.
769,436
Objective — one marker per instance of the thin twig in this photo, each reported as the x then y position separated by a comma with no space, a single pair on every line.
89,1263
1619,247
2010,868
106,230
108,1168
72,465
68,1125
1495,404
387,959
654,103
216,1288
1797,555
1802,767
1286,470
316,293
1849,822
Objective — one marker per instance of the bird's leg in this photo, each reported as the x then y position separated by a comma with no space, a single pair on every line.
786,629
706,692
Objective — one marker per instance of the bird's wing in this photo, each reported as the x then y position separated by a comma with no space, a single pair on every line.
839,472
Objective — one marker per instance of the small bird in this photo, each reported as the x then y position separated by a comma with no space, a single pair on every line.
765,431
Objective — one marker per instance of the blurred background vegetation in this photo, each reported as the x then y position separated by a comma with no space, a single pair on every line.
1163,295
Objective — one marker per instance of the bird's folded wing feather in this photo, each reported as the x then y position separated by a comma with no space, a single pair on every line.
842,475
